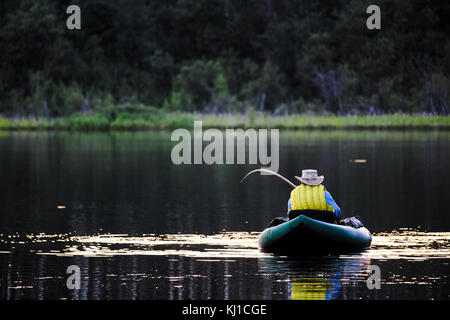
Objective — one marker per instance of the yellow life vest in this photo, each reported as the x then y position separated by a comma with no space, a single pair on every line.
305,197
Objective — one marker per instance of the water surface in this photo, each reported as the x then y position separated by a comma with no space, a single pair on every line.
140,227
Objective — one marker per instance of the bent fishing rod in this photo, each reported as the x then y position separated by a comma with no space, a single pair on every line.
271,172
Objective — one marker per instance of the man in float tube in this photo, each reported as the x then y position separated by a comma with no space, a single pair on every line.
312,200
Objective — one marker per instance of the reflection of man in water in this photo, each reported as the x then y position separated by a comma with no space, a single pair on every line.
322,278
311,199
314,289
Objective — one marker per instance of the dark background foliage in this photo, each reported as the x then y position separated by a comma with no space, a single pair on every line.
281,56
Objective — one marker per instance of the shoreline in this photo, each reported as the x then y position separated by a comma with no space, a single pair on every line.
170,121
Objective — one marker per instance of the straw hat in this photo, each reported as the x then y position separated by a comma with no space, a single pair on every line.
309,177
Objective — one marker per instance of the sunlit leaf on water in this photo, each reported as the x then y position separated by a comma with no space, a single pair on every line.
217,246
403,244
239,239
411,245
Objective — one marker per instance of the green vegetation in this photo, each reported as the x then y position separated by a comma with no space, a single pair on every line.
224,57
149,118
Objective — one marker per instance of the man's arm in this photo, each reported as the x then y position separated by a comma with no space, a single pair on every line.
330,201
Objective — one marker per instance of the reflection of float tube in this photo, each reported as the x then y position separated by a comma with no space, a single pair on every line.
317,277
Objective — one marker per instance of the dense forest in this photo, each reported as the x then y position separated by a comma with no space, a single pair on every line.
282,57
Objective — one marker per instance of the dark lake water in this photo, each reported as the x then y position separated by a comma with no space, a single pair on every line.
140,227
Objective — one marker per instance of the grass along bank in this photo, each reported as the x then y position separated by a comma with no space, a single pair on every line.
162,120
